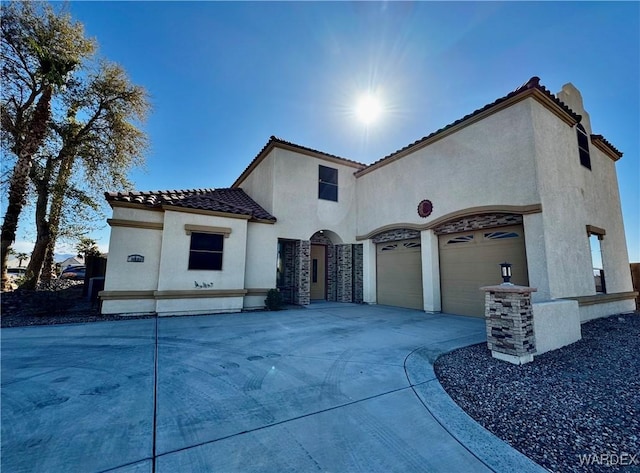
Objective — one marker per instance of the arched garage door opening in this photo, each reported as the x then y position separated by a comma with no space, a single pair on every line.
470,260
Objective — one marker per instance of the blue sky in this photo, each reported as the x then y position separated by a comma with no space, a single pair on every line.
225,76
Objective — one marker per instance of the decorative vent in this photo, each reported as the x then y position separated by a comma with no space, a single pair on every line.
500,235
460,239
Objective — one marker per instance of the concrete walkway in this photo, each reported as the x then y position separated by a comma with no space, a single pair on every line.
337,388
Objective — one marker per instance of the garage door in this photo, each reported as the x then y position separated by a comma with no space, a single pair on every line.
472,259
399,274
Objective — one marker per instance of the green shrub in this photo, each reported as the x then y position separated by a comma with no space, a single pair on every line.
274,300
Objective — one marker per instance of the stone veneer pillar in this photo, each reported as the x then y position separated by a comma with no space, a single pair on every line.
302,277
509,320
344,273
358,274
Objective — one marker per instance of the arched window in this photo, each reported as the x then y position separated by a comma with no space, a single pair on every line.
583,146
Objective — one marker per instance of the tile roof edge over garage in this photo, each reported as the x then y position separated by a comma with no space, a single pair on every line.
224,200
280,143
532,88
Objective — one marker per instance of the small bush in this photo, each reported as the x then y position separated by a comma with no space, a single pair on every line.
274,300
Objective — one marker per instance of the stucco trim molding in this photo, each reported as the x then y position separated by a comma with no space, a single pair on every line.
120,222
226,231
253,291
593,230
468,212
125,295
199,294
603,298
171,208
260,220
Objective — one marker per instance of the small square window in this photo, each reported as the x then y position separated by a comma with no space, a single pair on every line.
328,183
205,251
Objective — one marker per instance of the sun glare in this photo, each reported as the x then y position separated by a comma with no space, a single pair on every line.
368,109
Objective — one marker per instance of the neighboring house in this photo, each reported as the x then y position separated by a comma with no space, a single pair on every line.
71,261
523,180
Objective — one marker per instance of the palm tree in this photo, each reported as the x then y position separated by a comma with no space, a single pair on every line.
21,257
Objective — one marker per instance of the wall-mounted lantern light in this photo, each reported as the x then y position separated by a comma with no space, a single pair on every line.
505,269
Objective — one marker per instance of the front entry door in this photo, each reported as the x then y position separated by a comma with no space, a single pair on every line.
318,277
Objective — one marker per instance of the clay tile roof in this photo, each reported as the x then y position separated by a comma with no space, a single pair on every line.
602,143
233,201
531,84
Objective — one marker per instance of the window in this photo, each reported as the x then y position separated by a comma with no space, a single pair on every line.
205,251
461,239
328,184
500,235
583,146
596,260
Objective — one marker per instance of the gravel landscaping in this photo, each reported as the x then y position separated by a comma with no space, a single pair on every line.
59,302
576,409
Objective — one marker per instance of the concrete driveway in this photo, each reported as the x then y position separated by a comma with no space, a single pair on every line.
332,388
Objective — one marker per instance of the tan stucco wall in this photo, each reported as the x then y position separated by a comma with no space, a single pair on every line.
262,254
124,276
523,155
490,162
286,184
165,268
573,197
596,311
299,211
125,241
259,184
174,272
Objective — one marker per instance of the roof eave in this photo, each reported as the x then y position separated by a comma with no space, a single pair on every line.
134,205
607,148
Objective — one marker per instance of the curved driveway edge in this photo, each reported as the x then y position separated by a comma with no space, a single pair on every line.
498,455
339,388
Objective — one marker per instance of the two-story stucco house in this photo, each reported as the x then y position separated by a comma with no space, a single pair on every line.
523,179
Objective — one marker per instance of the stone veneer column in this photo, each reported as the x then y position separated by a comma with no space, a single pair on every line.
344,273
357,273
302,276
509,320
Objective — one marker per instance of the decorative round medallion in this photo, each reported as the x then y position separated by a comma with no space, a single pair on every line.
425,208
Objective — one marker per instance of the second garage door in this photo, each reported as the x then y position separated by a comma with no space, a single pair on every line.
399,274
472,259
